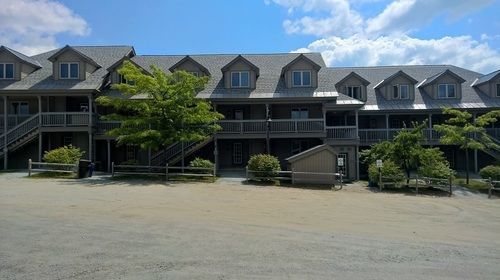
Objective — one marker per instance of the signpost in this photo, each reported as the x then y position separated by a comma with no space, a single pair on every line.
379,166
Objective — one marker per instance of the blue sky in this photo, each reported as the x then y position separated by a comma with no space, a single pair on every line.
347,33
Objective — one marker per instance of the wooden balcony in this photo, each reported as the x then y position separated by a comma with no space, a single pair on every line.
65,119
277,127
369,136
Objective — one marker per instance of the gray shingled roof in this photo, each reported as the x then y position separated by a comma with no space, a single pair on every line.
22,57
375,101
269,83
486,78
41,79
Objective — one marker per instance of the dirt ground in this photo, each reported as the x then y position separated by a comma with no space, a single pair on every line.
103,229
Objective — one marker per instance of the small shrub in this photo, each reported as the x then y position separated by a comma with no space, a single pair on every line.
490,171
433,164
266,165
66,154
390,171
201,163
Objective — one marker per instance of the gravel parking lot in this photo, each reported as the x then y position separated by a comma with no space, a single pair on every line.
104,229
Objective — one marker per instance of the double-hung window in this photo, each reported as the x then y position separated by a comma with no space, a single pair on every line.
353,91
6,71
68,70
400,91
240,79
498,90
446,91
301,78
300,113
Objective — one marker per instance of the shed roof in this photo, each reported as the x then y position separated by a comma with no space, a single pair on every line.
311,152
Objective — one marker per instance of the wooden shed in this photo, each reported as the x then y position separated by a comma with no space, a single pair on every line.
320,159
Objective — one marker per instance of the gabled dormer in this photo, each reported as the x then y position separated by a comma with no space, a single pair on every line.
14,65
191,66
488,84
301,72
117,78
443,85
70,64
240,74
398,86
353,85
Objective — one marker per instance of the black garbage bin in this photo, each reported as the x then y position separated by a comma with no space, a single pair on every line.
83,168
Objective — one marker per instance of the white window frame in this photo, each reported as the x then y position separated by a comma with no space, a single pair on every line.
446,92
349,91
237,153
68,63
302,78
400,96
131,152
4,66
497,88
19,103
239,79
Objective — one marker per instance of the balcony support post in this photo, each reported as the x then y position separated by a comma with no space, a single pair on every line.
5,124
324,119
357,132
387,126
108,143
39,110
40,145
268,128
216,155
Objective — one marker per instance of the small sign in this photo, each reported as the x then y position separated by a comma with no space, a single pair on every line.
379,163
340,161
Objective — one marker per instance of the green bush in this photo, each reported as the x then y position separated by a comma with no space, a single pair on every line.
390,171
66,154
490,171
266,165
433,164
201,163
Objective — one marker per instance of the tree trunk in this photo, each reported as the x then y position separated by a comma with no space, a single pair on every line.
467,166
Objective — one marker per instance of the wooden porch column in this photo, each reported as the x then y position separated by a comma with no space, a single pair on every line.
108,142
324,119
40,144
90,128
216,155
357,162
5,123
387,126
357,124
476,167
268,128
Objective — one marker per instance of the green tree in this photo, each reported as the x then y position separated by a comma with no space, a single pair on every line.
159,109
407,147
381,150
469,134
432,163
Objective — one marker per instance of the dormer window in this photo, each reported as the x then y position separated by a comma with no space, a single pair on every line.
400,91
446,91
68,70
6,71
353,91
240,79
301,78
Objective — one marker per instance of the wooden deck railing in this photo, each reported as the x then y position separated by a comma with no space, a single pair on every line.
341,132
275,126
58,119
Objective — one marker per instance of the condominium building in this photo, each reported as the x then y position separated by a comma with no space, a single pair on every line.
283,104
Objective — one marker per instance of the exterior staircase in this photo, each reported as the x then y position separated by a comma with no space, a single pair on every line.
20,135
173,154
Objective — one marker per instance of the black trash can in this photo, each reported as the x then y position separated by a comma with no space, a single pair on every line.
83,168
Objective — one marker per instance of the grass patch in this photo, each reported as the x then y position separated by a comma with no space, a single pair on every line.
53,175
473,184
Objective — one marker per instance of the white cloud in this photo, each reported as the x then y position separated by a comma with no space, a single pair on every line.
347,38
403,16
31,26
361,51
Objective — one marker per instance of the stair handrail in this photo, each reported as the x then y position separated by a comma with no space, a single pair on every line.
22,129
